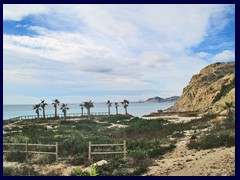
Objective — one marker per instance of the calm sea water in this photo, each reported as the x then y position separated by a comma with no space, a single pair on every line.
136,109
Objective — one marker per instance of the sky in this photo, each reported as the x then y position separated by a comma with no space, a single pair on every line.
82,52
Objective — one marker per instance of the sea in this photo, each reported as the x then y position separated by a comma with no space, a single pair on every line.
134,108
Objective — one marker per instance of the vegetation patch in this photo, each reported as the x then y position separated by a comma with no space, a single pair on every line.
115,118
224,90
221,135
144,141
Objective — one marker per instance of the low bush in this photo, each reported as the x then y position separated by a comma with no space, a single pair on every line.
189,114
15,156
115,118
23,170
77,160
213,141
209,116
43,159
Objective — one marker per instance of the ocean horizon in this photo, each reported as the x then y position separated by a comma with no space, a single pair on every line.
134,108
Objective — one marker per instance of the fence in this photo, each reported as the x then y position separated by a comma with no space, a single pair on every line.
36,152
30,117
108,152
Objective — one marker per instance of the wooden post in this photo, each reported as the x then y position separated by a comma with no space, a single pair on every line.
56,151
124,149
89,151
26,150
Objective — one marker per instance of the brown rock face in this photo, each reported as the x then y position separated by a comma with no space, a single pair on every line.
209,90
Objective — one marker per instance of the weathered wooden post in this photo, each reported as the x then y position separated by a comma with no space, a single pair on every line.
26,150
56,151
124,149
89,151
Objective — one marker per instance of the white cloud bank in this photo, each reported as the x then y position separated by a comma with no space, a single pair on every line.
82,48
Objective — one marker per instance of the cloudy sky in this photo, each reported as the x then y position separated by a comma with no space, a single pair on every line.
86,52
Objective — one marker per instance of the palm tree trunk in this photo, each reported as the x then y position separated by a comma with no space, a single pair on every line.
37,116
116,110
108,110
44,113
126,110
88,110
82,112
65,115
55,111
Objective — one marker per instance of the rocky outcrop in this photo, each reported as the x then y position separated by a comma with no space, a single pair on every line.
209,90
161,100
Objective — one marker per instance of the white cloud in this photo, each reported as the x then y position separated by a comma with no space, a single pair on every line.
224,56
17,12
203,55
108,47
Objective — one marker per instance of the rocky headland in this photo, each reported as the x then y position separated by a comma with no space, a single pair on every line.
209,90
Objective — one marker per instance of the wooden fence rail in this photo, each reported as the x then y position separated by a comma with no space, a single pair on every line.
31,117
36,152
90,152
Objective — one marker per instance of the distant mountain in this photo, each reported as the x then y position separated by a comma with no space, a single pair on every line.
161,100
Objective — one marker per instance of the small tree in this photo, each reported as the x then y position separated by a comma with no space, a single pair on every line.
125,105
109,104
116,106
37,108
88,106
81,109
64,109
55,103
43,104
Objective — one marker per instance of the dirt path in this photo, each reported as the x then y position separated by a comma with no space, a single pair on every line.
185,162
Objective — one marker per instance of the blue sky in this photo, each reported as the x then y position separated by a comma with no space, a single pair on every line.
86,52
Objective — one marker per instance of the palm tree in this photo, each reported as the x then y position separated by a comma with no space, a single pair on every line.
81,109
55,103
43,104
116,106
64,109
37,107
125,105
229,106
88,105
109,104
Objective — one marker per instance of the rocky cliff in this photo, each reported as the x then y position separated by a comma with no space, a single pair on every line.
209,90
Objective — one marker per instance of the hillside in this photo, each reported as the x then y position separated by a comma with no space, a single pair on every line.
209,90
161,100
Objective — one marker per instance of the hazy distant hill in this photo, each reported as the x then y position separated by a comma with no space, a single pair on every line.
161,100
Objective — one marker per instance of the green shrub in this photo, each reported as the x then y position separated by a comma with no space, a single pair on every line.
77,160
114,118
189,114
79,172
73,145
44,159
229,123
16,156
23,170
209,116
213,141
159,151
193,137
